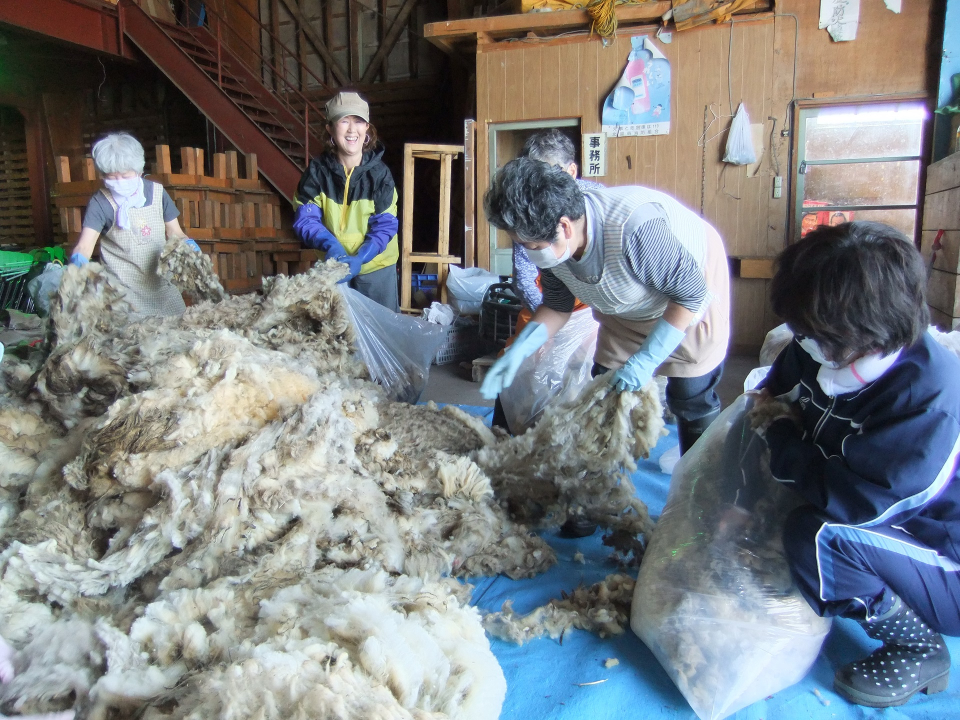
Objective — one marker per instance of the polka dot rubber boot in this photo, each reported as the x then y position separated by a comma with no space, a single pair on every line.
913,658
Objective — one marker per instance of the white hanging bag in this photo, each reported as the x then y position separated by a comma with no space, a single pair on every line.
739,142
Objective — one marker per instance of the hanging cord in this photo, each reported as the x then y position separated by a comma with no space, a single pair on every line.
603,15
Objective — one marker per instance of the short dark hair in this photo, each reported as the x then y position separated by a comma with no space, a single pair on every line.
549,146
856,287
528,197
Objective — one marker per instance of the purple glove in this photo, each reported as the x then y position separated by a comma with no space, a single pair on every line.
309,227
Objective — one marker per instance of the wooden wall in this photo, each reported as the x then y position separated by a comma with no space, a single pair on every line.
570,78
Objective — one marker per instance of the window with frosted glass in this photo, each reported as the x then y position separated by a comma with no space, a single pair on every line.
859,162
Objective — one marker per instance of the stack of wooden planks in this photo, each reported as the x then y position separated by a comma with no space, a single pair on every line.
16,207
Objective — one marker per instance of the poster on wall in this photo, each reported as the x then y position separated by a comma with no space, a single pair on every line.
813,218
639,104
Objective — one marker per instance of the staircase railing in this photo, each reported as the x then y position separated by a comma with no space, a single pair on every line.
217,24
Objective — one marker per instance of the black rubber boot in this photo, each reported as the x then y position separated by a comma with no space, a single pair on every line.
577,526
689,431
913,658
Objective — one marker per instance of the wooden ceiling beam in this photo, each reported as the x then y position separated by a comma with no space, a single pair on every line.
468,33
319,45
388,42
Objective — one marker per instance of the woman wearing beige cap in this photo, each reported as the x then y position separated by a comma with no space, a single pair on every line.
346,203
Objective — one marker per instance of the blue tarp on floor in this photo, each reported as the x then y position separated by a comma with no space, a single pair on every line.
544,677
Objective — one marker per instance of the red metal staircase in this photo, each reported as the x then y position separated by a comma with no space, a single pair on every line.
230,93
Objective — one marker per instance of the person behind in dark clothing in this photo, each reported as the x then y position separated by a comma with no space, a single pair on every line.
870,442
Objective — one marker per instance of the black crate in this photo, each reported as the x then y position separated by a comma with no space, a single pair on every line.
14,295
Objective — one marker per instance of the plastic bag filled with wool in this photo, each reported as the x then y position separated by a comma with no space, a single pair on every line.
714,599
559,370
396,349
466,288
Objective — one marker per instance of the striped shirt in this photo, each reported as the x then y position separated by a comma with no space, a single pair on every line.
654,256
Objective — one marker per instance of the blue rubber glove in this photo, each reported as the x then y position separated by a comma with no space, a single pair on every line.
365,253
79,260
193,245
639,369
504,370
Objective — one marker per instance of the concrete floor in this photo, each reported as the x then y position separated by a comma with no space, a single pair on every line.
453,384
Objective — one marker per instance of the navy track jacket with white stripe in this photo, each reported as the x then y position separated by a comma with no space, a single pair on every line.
883,455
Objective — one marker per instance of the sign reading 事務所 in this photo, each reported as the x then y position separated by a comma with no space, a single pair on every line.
594,156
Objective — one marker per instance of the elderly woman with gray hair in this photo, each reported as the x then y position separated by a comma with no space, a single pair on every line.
132,218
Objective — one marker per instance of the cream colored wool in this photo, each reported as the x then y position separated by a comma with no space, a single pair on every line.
603,608
190,271
574,460
237,519
257,469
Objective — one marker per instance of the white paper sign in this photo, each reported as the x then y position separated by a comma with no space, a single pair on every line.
894,5
840,18
594,155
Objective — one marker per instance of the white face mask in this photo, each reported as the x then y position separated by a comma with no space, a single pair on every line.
123,187
814,351
546,258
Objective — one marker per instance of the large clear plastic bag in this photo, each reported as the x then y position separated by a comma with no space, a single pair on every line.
714,600
559,370
396,349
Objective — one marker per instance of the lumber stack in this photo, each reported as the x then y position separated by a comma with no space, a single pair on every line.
16,215
235,218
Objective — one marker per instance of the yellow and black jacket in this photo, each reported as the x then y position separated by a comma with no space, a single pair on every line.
357,211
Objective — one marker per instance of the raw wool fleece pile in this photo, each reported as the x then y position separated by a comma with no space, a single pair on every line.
206,519
603,608
189,270
574,461
216,515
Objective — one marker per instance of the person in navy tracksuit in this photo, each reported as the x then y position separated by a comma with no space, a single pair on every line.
872,448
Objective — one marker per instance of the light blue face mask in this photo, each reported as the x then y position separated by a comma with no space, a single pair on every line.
546,258
124,187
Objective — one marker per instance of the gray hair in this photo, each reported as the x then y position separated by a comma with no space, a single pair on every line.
118,152
550,146
528,197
